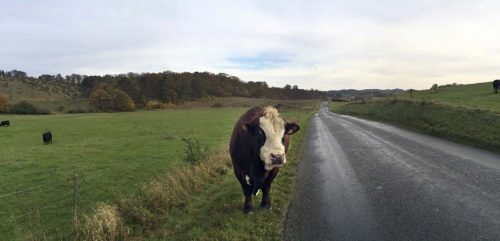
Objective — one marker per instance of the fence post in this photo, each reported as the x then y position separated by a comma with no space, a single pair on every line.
75,196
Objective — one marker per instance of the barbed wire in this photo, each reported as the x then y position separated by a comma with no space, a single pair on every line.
82,174
56,205
83,177
27,189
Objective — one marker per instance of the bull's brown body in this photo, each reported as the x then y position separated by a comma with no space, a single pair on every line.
248,167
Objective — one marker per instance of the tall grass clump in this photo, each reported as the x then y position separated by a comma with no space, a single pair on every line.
105,224
195,151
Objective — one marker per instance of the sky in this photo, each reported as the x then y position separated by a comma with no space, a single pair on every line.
324,45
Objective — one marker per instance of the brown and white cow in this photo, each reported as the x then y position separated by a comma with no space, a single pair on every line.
258,145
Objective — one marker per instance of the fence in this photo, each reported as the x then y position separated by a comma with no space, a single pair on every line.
46,209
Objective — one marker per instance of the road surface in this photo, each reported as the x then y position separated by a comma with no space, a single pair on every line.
365,180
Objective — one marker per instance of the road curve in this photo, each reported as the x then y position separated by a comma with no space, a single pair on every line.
365,180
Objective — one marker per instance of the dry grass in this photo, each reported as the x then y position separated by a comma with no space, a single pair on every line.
104,225
144,211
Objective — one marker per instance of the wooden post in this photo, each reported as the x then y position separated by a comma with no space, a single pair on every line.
75,196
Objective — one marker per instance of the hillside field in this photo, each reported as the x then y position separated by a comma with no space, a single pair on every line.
55,96
113,155
469,114
476,96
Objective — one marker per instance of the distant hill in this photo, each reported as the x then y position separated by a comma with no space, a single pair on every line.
44,93
126,92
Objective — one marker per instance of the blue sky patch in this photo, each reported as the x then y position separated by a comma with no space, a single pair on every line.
260,61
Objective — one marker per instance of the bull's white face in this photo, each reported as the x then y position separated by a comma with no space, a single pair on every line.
273,127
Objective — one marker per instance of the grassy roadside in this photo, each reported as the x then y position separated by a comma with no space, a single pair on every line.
476,127
204,203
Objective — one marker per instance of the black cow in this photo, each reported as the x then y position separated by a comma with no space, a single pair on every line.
47,138
496,85
5,123
258,145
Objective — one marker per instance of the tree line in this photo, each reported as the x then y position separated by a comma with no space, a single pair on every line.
125,92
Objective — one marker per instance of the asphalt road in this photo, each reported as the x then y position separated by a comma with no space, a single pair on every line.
365,180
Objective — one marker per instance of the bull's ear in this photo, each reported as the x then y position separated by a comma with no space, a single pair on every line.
291,128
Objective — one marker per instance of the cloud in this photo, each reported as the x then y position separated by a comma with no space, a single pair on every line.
314,44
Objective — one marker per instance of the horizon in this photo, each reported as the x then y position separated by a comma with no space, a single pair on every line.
315,45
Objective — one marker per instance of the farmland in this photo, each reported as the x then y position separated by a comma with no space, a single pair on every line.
112,154
476,96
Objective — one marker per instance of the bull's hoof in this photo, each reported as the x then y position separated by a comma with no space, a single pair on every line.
266,205
247,210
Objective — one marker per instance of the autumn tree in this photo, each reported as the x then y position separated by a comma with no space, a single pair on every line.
4,104
106,97
122,101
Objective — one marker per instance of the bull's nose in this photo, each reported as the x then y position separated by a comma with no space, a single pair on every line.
277,159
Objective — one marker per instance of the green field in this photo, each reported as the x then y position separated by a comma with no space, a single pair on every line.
477,96
114,155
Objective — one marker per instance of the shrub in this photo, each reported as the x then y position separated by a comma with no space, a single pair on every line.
122,101
153,104
110,99
26,108
167,105
23,107
156,104
195,151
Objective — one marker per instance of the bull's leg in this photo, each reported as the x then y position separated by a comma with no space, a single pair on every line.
247,191
266,187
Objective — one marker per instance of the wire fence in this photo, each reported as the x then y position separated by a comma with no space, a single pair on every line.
58,202
26,189
37,210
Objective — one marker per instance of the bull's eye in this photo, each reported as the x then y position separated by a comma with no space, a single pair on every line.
261,136
283,140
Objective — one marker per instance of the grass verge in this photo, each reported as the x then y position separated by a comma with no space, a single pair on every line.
476,127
